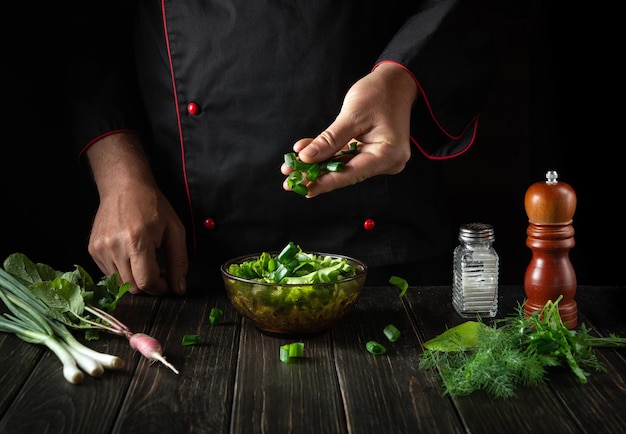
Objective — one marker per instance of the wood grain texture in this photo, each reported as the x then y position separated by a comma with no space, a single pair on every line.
234,382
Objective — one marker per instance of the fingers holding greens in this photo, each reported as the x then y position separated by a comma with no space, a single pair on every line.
303,173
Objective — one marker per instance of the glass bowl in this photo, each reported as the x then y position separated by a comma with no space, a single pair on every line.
294,310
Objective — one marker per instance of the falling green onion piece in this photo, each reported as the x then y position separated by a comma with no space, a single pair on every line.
391,333
215,316
191,340
375,348
291,351
400,283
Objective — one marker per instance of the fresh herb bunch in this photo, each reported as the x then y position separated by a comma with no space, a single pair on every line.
515,350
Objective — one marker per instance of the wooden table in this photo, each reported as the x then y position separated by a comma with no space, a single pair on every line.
234,382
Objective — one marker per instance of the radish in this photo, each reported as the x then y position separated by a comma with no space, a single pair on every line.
149,347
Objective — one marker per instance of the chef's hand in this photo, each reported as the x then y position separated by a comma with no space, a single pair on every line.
134,220
376,113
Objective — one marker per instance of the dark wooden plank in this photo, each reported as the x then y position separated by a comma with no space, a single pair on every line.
48,403
199,398
276,397
17,359
604,394
604,308
387,393
235,382
530,410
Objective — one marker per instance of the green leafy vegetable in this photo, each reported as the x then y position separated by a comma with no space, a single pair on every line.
462,337
512,351
104,295
66,294
308,172
293,266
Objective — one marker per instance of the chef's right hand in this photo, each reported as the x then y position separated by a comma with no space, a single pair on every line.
376,113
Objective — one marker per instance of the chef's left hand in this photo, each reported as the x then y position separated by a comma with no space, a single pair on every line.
376,113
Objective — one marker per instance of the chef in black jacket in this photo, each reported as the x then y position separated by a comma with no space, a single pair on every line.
184,111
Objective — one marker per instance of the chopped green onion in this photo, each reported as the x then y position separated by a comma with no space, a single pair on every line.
296,349
352,149
375,348
291,351
272,264
333,166
288,253
291,160
400,283
294,181
284,353
278,274
301,189
215,316
312,171
191,340
391,332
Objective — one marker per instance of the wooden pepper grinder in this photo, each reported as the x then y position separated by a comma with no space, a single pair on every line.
550,206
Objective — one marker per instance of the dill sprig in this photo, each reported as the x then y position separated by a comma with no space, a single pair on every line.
513,351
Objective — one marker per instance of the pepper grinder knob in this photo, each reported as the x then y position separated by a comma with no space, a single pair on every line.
550,206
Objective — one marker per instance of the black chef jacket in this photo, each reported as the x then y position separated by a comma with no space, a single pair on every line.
220,91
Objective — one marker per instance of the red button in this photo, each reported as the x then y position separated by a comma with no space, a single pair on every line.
369,224
209,224
193,108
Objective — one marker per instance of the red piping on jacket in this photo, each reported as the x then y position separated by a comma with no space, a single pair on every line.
473,122
101,136
180,129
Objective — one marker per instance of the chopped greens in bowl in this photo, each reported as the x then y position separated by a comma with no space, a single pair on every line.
293,292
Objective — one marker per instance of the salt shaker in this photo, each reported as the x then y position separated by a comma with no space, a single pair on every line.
475,272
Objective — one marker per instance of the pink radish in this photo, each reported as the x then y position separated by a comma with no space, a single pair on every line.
149,347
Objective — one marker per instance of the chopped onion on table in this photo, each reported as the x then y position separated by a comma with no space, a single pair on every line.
375,348
215,317
291,351
391,332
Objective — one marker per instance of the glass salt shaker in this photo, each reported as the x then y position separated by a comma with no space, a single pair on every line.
475,272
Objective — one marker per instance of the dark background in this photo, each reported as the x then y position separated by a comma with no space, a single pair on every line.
550,109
